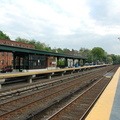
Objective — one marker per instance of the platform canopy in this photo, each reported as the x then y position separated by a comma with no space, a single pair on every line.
14,49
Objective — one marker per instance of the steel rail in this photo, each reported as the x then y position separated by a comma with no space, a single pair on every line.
71,102
56,113
23,107
35,102
37,86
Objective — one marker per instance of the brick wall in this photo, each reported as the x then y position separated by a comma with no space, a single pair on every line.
6,58
14,43
51,61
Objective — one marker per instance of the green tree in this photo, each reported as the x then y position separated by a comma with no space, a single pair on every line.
4,36
32,42
86,53
38,45
42,46
65,50
98,54
18,39
115,58
94,55
109,59
59,50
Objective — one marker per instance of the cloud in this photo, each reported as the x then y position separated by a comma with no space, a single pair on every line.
105,12
63,23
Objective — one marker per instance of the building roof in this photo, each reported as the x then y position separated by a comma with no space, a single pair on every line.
16,43
9,48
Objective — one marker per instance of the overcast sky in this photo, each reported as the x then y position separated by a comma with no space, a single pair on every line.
64,23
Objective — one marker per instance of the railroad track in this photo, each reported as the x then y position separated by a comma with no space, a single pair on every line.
77,108
39,85
72,107
29,105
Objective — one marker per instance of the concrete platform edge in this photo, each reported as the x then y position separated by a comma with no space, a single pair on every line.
103,107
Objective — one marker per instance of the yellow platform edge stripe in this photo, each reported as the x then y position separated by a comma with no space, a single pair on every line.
45,72
103,107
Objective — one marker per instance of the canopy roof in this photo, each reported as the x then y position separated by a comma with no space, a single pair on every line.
9,48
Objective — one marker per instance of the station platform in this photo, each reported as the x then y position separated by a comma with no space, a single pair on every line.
108,105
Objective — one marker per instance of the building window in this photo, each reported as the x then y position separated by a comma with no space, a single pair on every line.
11,61
2,53
2,61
